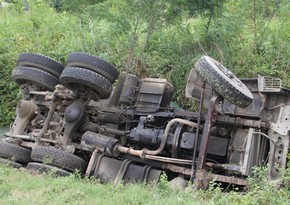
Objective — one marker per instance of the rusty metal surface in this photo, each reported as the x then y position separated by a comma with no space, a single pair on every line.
193,165
206,132
203,178
137,131
229,179
239,121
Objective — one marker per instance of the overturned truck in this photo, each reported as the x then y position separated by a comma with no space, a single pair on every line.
71,118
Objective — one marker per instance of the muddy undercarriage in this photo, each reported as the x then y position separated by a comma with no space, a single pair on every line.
132,133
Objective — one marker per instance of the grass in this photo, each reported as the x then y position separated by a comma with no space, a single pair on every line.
22,187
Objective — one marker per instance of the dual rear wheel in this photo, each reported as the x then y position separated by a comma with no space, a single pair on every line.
82,72
41,159
14,155
85,72
37,69
61,163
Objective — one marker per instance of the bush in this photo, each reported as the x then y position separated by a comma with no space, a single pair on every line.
253,40
161,43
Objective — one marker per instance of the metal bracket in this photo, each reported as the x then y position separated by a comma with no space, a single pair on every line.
211,117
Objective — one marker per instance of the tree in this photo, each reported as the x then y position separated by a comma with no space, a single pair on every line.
134,22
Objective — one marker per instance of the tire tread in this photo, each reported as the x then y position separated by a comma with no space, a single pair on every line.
42,62
14,152
93,63
221,85
71,77
58,158
22,75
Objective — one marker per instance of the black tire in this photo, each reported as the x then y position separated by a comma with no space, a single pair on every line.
22,75
42,62
73,77
58,158
14,152
44,168
91,62
10,163
224,82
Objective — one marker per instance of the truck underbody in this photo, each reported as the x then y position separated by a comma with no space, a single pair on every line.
132,133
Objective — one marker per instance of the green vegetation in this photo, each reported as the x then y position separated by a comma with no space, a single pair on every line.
21,187
154,38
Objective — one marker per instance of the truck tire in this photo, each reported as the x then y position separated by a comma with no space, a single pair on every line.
22,75
73,77
44,168
10,163
224,82
14,152
93,63
42,62
58,158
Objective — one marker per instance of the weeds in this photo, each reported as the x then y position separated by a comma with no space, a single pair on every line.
21,187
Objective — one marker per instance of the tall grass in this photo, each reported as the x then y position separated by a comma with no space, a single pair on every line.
254,40
21,187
